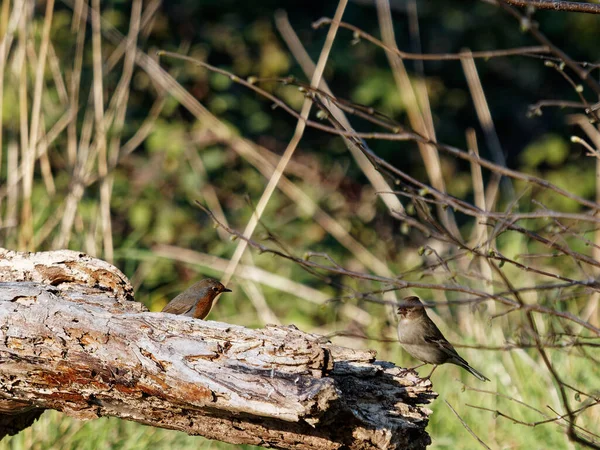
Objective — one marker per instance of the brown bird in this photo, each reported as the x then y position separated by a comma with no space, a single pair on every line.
196,300
422,339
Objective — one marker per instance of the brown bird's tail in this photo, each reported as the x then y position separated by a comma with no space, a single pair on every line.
465,365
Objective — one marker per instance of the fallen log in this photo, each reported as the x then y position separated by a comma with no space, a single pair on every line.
73,339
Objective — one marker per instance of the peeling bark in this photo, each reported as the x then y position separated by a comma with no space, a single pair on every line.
72,339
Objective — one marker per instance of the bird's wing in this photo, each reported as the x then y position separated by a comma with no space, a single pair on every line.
435,337
441,342
176,307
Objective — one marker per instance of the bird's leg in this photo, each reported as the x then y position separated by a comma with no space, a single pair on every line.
430,373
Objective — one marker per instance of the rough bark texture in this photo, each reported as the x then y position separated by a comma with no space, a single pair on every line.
72,339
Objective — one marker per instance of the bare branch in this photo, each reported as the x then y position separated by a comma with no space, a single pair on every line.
558,5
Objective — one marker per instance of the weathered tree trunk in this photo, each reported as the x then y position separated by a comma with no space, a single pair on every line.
72,339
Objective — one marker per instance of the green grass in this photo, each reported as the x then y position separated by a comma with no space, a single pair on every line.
519,376
55,430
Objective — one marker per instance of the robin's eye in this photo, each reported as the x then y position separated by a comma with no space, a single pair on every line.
215,288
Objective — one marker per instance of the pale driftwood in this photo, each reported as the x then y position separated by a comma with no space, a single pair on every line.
72,340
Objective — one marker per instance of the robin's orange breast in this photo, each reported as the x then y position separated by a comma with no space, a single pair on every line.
202,309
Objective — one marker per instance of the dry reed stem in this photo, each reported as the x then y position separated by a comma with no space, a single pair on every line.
416,114
100,135
308,67
289,151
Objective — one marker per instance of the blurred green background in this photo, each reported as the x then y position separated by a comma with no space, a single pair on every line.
179,160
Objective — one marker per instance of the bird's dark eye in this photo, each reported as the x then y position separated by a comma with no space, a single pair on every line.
215,288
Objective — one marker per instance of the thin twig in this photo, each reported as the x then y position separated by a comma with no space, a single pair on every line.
467,427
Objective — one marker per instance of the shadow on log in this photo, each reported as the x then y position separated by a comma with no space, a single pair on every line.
72,339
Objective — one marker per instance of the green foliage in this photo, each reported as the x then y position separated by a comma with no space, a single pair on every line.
379,89
57,431
168,138
550,149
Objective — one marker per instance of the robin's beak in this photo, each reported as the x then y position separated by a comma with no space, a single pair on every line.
226,290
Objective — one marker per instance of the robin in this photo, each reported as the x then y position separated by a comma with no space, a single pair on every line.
196,300
422,339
